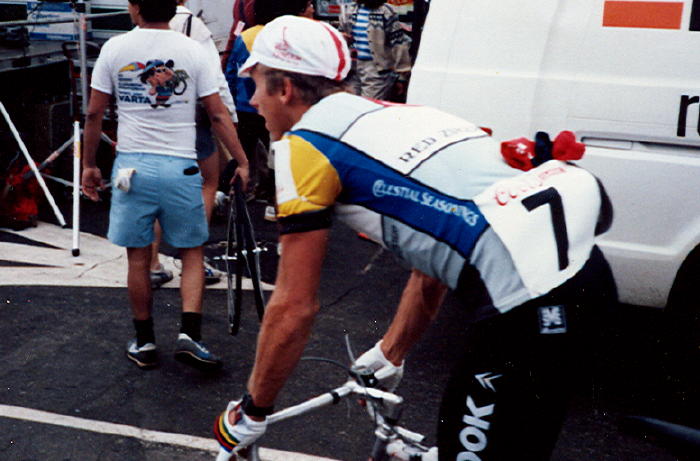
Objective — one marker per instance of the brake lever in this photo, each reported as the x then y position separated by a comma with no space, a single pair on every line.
363,376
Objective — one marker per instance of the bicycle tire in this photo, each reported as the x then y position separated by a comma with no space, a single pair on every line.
252,252
242,254
231,259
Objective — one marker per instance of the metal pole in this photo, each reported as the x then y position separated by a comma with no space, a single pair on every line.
32,165
76,188
80,8
82,24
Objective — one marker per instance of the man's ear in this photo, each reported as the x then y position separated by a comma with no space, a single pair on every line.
287,91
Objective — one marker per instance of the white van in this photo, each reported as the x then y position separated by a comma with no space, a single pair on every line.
625,77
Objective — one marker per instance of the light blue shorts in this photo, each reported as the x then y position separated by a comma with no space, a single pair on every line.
165,188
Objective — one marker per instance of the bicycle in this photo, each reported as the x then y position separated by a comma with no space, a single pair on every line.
242,253
391,441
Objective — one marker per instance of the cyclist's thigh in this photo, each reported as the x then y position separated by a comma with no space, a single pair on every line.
507,399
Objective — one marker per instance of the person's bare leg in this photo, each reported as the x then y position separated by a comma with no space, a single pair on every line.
210,174
155,247
192,288
139,282
141,350
192,281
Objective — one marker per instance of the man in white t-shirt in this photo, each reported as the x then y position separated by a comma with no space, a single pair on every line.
157,75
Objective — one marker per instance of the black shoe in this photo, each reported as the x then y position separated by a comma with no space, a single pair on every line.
145,357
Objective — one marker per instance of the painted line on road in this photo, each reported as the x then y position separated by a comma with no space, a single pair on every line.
167,438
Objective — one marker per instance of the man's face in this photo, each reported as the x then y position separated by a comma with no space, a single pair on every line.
309,10
271,106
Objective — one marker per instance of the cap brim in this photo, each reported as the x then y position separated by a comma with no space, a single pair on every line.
248,66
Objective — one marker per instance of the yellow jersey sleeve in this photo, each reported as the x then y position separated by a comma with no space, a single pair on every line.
248,36
307,185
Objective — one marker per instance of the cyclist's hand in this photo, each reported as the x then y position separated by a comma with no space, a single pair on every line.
244,174
388,374
234,430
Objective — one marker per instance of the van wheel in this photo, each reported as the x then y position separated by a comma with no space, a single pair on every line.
682,339
683,307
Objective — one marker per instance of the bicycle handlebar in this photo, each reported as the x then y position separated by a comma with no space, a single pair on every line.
391,439
332,397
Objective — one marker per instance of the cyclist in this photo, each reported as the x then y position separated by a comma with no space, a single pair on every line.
517,246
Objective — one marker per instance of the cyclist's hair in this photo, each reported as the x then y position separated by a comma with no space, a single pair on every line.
311,88
267,10
156,10
371,4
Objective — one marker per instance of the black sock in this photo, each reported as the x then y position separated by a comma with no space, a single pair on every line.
144,331
192,325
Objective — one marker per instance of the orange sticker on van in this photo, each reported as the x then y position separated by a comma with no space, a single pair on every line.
648,15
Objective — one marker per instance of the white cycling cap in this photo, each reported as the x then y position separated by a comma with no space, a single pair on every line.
301,45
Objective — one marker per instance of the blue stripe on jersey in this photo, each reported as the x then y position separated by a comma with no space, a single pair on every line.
373,185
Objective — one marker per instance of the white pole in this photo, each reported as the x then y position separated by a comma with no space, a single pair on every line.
32,165
76,188
80,8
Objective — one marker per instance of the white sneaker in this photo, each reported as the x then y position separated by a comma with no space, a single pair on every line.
212,275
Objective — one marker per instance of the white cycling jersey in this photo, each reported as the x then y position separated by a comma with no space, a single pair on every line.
434,189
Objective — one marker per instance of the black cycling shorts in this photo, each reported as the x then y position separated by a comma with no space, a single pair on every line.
506,400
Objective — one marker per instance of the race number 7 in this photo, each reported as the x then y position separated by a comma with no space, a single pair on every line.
552,198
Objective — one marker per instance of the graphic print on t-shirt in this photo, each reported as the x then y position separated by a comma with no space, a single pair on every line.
154,83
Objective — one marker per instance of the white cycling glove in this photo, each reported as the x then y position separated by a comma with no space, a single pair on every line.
388,374
238,436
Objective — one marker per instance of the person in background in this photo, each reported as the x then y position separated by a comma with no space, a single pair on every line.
308,11
380,47
157,75
208,157
251,126
243,18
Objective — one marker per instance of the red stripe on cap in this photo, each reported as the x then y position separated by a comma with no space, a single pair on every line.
339,49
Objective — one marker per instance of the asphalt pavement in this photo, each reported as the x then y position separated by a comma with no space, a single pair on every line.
68,393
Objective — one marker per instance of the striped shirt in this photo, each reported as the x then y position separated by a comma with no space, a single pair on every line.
359,35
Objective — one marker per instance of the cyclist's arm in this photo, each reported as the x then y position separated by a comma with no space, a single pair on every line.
289,314
419,304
